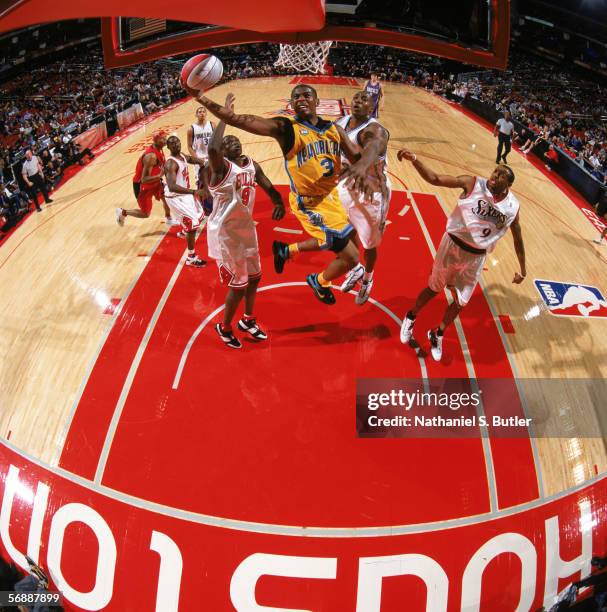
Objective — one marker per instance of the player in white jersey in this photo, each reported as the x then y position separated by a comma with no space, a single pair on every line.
367,216
199,135
231,233
181,199
484,212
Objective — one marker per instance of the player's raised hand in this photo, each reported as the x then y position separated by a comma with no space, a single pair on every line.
229,103
518,278
406,154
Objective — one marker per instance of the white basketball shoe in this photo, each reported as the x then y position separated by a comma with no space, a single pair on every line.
436,344
406,329
363,292
353,276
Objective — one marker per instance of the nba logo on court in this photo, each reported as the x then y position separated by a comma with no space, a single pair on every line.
571,300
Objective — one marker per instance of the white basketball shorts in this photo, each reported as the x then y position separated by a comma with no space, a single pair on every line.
457,269
367,218
187,210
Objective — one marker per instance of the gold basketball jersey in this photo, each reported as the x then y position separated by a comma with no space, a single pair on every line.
314,162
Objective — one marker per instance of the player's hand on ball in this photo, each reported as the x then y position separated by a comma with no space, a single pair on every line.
193,92
518,278
230,99
406,154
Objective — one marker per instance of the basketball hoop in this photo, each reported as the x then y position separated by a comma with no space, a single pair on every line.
304,57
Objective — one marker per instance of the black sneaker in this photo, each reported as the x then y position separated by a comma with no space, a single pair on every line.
281,254
250,326
49,201
195,261
324,294
228,337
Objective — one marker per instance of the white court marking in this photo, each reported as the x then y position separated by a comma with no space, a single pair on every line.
287,230
200,328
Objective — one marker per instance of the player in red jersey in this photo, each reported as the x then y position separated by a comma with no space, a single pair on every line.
147,182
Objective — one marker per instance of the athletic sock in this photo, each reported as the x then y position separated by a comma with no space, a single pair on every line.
123,212
191,253
321,280
247,317
411,316
293,249
440,332
368,276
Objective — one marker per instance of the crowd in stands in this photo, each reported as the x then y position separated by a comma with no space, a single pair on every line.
553,102
42,109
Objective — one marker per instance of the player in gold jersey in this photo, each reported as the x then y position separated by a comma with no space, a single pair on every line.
311,147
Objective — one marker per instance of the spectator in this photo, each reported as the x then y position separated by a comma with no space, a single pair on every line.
551,157
526,139
33,175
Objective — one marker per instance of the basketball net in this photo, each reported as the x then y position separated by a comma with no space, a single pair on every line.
306,57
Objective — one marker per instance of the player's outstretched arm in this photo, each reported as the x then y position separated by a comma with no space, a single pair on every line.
249,123
192,159
464,181
264,182
519,248
216,157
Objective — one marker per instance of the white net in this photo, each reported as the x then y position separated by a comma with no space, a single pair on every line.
307,57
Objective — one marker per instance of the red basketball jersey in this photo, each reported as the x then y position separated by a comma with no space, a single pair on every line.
156,170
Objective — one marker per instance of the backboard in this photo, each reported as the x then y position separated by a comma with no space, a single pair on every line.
471,31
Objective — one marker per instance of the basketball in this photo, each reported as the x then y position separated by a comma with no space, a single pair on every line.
201,72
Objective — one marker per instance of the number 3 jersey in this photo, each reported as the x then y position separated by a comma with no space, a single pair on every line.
231,231
480,221
314,162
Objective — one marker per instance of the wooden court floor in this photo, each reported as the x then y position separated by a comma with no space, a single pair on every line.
61,269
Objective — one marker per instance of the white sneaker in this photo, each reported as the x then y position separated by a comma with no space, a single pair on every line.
171,222
406,330
119,217
353,276
436,345
363,292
